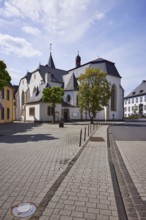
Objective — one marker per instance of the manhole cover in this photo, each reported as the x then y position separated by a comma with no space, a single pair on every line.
97,139
23,210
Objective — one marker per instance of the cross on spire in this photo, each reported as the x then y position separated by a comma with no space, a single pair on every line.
50,47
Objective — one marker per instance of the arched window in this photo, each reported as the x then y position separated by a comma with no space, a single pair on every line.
23,98
113,98
68,98
77,100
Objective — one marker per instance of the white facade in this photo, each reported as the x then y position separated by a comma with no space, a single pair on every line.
132,105
135,102
31,108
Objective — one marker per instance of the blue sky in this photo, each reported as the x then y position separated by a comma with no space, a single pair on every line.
110,29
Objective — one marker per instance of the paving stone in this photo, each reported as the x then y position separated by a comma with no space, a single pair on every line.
90,215
77,214
82,189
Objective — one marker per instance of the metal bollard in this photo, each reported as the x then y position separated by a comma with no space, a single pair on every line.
85,134
80,138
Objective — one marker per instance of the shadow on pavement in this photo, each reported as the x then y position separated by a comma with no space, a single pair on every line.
13,128
26,138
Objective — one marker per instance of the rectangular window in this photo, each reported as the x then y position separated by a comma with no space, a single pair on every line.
145,98
8,113
2,93
125,109
2,114
145,107
136,99
128,101
141,98
31,111
50,111
8,94
128,109
132,100
125,101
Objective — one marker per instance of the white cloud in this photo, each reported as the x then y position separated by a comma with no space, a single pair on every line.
31,30
18,46
15,76
99,16
69,19
10,10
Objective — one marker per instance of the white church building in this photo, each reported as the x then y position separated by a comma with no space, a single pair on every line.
29,103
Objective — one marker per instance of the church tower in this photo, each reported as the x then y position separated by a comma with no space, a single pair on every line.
50,61
78,60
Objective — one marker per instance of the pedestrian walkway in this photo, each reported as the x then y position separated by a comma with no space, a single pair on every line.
87,190
32,155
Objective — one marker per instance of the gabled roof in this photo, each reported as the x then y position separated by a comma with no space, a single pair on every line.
27,76
138,91
56,74
71,82
104,65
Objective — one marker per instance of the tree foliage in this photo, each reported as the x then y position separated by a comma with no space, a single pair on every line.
94,91
4,75
53,95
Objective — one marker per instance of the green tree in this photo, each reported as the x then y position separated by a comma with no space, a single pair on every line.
94,91
53,95
4,75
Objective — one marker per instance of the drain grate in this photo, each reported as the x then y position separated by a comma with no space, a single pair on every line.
23,210
97,139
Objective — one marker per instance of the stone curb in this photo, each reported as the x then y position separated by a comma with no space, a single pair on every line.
135,207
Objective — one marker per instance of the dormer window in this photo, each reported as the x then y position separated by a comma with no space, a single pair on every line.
133,93
141,91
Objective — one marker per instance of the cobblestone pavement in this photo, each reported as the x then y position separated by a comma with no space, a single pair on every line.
31,158
134,156
87,190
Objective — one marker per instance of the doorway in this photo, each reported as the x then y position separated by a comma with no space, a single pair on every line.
66,115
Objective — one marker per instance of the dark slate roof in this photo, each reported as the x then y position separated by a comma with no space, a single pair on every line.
72,83
103,65
138,91
51,62
56,74
65,104
27,76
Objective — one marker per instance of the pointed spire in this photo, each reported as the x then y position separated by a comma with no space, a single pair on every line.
51,62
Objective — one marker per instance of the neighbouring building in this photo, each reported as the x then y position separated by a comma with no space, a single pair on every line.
29,105
6,110
135,101
15,88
